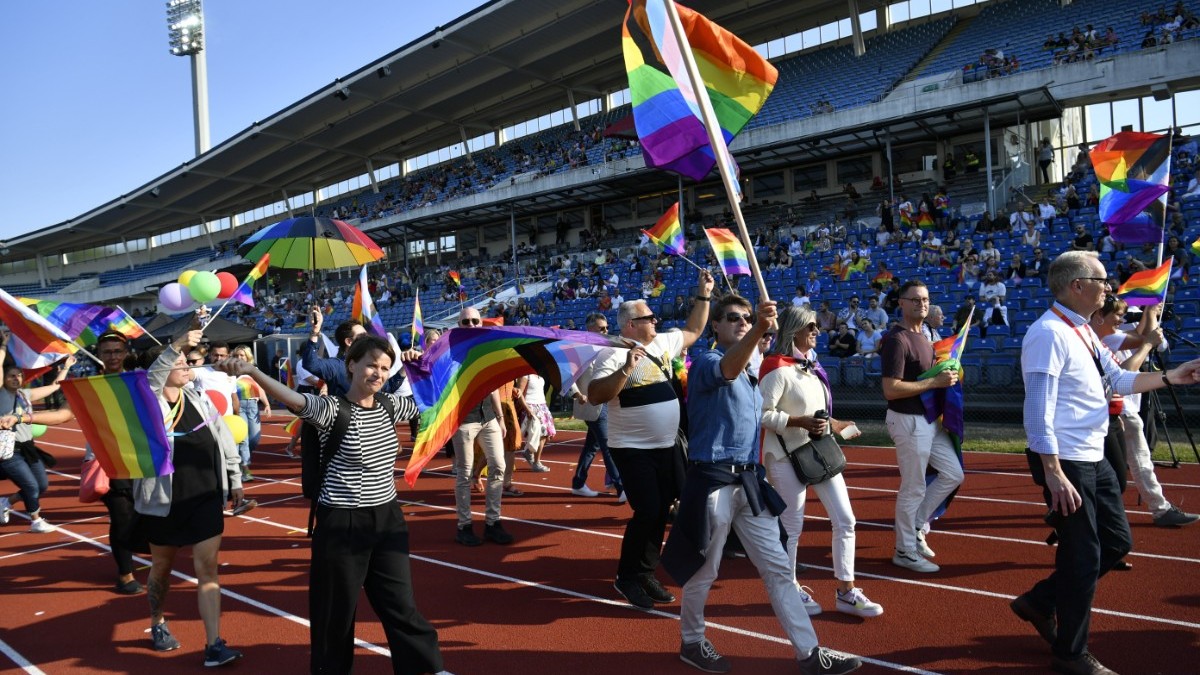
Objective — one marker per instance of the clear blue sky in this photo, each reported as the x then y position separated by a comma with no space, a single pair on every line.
96,105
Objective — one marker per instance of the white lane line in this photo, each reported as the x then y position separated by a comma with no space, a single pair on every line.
21,662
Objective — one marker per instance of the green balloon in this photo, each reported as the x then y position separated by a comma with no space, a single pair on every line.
204,287
38,430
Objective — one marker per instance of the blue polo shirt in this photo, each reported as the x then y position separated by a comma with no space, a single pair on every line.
723,415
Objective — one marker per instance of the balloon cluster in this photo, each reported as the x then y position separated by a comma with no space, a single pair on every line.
194,286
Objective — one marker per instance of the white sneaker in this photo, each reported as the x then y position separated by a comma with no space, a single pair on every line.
913,561
922,547
858,604
621,498
811,606
540,468
584,491
5,506
40,526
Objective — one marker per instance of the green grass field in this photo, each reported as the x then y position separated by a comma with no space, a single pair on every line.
1006,438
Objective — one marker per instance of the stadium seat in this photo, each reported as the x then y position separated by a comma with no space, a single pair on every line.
854,372
1001,370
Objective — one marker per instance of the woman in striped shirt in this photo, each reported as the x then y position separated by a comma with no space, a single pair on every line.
361,538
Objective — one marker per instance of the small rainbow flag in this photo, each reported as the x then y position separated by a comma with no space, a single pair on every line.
1148,287
418,323
728,250
885,277
85,323
455,277
362,309
906,218
121,419
286,374
1196,247
925,220
668,232
245,292
35,344
467,364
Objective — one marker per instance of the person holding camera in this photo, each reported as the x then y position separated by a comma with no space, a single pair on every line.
796,407
920,444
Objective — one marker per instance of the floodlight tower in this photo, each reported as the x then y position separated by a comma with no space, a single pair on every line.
185,31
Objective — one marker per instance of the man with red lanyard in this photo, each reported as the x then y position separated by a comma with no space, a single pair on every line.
1067,387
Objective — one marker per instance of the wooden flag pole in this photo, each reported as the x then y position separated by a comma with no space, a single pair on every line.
716,140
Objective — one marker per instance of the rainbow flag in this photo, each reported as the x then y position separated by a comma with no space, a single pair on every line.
668,232
467,364
286,374
418,323
1134,170
245,292
666,108
885,277
1196,247
906,218
728,250
85,323
946,404
925,220
35,344
849,269
455,277
1148,287
121,419
362,309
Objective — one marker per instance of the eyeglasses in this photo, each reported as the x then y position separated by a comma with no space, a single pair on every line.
470,322
650,318
1099,280
768,336
738,316
917,301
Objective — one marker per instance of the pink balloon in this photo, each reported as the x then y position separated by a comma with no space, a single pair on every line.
174,297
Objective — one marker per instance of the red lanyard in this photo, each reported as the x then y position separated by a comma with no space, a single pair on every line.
1091,344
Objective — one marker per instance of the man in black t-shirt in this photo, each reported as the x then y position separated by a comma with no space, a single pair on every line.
1083,239
905,354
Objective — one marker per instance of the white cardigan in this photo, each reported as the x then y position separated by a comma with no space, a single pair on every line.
788,391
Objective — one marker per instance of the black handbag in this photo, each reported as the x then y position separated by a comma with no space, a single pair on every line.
817,460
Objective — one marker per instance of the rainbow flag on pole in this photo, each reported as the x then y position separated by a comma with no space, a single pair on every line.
121,419
467,364
946,405
418,323
35,344
668,232
728,250
1134,170
85,323
1148,287
245,292
666,109
363,307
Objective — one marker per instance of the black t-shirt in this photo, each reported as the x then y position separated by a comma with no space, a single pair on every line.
1083,241
905,355
195,458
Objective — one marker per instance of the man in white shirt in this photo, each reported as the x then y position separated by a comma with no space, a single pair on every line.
1067,388
992,288
1047,213
643,420
800,299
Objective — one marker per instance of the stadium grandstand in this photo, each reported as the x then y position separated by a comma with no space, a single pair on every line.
499,145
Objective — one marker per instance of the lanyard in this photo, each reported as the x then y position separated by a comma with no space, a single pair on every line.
175,414
1091,345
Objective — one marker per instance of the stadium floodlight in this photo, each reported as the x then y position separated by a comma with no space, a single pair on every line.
185,33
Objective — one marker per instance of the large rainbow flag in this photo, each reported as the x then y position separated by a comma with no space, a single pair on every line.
121,419
946,404
1134,170
666,108
668,232
1148,287
35,344
86,323
245,291
362,309
729,251
466,364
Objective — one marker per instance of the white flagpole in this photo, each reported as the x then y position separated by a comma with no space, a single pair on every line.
715,139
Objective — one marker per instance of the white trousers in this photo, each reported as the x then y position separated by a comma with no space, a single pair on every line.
919,445
727,507
836,500
464,460
1141,465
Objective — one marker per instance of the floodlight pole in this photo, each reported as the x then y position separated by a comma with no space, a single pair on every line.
185,34
200,101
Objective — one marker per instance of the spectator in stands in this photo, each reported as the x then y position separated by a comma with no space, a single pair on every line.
932,326
1047,212
813,287
785,260
877,315
826,319
960,316
801,297
1083,239
970,161
1045,157
1016,270
868,339
1193,186
989,252
992,287
850,314
995,313
1031,236
843,343
970,270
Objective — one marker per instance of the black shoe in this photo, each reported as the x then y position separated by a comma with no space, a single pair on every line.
655,591
1122,566
495,532
131,587
824,661
1080,665
1044,624
466,536
632,591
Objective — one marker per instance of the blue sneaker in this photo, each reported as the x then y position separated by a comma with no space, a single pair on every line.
219,653
161,638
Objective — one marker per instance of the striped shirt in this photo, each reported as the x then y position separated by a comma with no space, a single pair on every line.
362,471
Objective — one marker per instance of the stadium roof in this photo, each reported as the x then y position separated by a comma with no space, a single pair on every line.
503,63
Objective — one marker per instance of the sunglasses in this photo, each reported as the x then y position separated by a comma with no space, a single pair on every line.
648,318
470,322
738,316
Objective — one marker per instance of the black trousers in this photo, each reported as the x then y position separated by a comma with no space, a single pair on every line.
365,548
650,482
122,525
1090,541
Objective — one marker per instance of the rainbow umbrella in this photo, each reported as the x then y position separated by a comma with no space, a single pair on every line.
312,244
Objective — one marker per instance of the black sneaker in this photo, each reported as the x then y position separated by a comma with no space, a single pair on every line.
131,587
1175,518
466,536
495,532
824,661
632,591
1043,623
161,638
655,590
704,656
219,653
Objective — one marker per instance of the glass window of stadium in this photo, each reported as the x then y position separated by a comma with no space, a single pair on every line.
854,170
808,178
914,157
653,206
768,185
618,211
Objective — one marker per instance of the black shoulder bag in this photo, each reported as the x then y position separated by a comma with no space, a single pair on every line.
818,460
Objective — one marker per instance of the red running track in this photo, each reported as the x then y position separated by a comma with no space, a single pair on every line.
546,603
